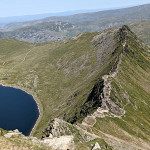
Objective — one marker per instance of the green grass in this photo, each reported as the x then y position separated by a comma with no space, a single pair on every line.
18,143
88,145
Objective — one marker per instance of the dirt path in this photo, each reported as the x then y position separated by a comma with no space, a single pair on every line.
22,59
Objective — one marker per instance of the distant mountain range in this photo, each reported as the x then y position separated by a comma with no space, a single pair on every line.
13,19
7,20
62,27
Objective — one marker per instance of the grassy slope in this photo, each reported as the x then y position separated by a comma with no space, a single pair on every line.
142,30
88,145
54,71
10,50
133,80
17,143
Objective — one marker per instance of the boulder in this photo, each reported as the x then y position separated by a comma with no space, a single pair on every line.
14,133
96,146
59,143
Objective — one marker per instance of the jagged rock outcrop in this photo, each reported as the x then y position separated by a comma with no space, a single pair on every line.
14,133
58,128
56,143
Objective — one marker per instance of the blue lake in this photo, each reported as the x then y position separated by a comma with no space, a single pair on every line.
18,110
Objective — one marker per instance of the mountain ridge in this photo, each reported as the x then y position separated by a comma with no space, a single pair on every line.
80,63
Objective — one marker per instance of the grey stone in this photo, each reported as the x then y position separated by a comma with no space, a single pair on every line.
96,146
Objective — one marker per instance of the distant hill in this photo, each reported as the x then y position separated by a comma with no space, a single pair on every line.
43,30
136,13
7,20
14,19
131,14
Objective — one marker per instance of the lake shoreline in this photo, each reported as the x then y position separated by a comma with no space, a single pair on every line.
33,94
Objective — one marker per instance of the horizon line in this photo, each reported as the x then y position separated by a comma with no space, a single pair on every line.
95,9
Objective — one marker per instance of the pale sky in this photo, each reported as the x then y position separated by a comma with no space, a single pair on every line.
30,7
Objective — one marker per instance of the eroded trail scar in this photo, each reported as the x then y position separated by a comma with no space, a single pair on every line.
22,59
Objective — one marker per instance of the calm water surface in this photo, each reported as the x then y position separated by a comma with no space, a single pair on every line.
18,110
